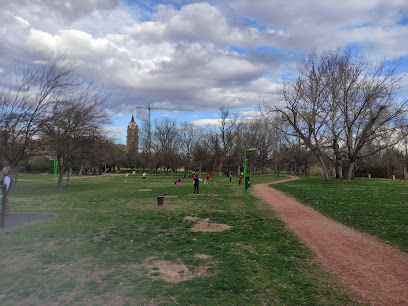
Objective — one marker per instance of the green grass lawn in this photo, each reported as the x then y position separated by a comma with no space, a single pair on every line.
107,237
375,206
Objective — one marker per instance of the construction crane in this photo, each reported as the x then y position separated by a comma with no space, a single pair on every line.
149,108
149,136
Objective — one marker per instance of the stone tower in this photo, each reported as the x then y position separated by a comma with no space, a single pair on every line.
132,139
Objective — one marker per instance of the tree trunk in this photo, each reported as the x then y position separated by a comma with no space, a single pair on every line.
61,173
69,175
14,174
349,170
337,164
81,170
326,173
220,167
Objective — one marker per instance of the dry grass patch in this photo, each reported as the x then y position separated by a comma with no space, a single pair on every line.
249,248
189,218
202,256
175,272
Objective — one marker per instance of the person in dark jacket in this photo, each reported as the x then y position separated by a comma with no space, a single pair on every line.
195,178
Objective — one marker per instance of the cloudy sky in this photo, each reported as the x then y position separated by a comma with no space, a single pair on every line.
188,58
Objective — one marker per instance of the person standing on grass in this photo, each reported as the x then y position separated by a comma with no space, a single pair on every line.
7,180
195,178
240,179
230,176
207,178
126,176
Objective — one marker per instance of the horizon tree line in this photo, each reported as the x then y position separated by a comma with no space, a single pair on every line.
340,110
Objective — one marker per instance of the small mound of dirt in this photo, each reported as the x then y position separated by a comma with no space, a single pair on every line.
175,272
204,226
145,190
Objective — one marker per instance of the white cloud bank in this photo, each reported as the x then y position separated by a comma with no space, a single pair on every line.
200,55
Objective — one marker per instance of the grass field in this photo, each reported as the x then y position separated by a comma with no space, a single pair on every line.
108,238
375,206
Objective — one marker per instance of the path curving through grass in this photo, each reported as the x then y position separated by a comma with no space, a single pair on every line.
374,271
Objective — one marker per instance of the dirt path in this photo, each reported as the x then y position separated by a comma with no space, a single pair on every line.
374,271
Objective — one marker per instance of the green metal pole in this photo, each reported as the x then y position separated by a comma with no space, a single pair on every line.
245,172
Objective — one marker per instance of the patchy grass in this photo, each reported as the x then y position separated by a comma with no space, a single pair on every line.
104,245
375,206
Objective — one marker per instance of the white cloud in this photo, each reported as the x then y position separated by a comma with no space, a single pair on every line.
12,22
114,132
249,114
198,56
64,11
197,22
207,122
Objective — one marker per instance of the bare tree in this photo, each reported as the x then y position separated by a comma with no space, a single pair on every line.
74,123
262,135
146,155
26,104
303,100
340,103
188,140
374,112
202,154
166,140
226,135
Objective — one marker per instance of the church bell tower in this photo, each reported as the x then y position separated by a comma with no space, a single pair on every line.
132,139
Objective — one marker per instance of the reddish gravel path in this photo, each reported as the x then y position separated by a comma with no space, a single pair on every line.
374,271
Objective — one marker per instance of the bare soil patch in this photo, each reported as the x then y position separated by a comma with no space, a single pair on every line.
375,272
175,272
145,190
204,226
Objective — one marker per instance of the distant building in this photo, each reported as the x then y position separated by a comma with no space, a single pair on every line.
132,139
